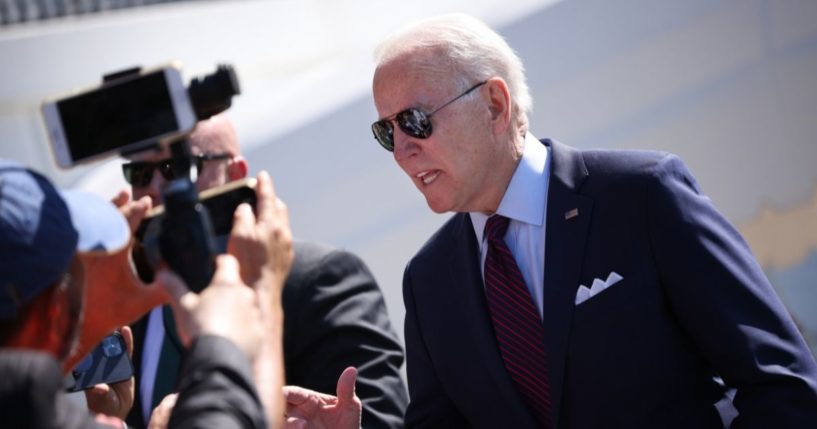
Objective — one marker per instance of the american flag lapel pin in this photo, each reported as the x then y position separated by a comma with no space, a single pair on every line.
570,214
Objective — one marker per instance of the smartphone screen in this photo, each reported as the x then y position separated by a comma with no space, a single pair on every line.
108,363
125,114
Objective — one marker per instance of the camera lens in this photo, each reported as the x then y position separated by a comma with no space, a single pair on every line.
111,346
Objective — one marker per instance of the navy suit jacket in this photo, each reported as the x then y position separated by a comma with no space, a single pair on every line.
693,308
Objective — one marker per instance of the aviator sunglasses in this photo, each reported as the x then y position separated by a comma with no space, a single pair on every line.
140,173
412,121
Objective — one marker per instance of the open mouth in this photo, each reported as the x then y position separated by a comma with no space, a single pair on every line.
427,176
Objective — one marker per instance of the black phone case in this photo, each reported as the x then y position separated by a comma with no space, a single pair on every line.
220,207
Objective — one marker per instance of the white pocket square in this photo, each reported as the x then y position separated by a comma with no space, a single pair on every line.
584,293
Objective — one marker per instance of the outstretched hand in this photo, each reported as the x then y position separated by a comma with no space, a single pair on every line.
313,410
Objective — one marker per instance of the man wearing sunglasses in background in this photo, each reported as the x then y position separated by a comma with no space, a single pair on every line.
335,315
570,289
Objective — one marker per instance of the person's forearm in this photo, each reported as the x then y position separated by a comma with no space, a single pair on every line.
269,365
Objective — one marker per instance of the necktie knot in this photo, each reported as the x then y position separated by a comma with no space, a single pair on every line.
496,227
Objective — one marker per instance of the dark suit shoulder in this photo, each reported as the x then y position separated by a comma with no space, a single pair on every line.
313,260
632,170
619,163
439,244
308,257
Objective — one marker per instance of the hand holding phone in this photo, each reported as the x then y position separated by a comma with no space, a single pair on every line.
220,202
113,398
262,241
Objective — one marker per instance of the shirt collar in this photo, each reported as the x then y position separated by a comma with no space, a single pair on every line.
524,200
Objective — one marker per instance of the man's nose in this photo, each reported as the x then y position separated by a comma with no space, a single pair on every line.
154,188
404,144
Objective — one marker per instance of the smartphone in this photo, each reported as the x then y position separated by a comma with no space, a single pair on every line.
119,116
108,363
220,202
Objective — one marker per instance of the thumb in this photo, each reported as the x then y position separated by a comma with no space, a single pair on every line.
99,389
346,385
172,283
127,335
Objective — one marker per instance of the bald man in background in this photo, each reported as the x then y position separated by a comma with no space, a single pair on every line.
334,312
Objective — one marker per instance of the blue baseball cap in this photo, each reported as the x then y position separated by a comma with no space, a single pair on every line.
41,228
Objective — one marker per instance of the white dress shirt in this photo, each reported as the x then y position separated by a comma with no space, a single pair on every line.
154,337
525,204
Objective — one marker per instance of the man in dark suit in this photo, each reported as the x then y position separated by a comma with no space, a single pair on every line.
334,312
571,289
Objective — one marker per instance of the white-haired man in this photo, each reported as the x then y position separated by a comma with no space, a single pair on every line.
571,289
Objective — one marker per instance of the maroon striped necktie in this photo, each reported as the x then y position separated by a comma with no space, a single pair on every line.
517,325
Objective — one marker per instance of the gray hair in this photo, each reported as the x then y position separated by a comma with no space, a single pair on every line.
469,47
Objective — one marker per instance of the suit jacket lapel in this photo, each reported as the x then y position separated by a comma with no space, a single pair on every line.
564,253
465,274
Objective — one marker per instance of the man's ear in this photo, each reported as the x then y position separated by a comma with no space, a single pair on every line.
41,323
499,104
237,168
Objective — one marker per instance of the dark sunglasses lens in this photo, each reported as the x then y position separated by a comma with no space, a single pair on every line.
384,134
138,173
167,168
414,123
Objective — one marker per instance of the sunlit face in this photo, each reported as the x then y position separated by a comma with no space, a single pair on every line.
452,167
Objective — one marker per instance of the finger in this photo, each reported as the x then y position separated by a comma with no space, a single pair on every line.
168,402
127,335
243,227
134,212
181,298
100,389
121,198
182,301
282,212
297,396
346,385
172,284
243,220
295,423
151,295
265,196
226,271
